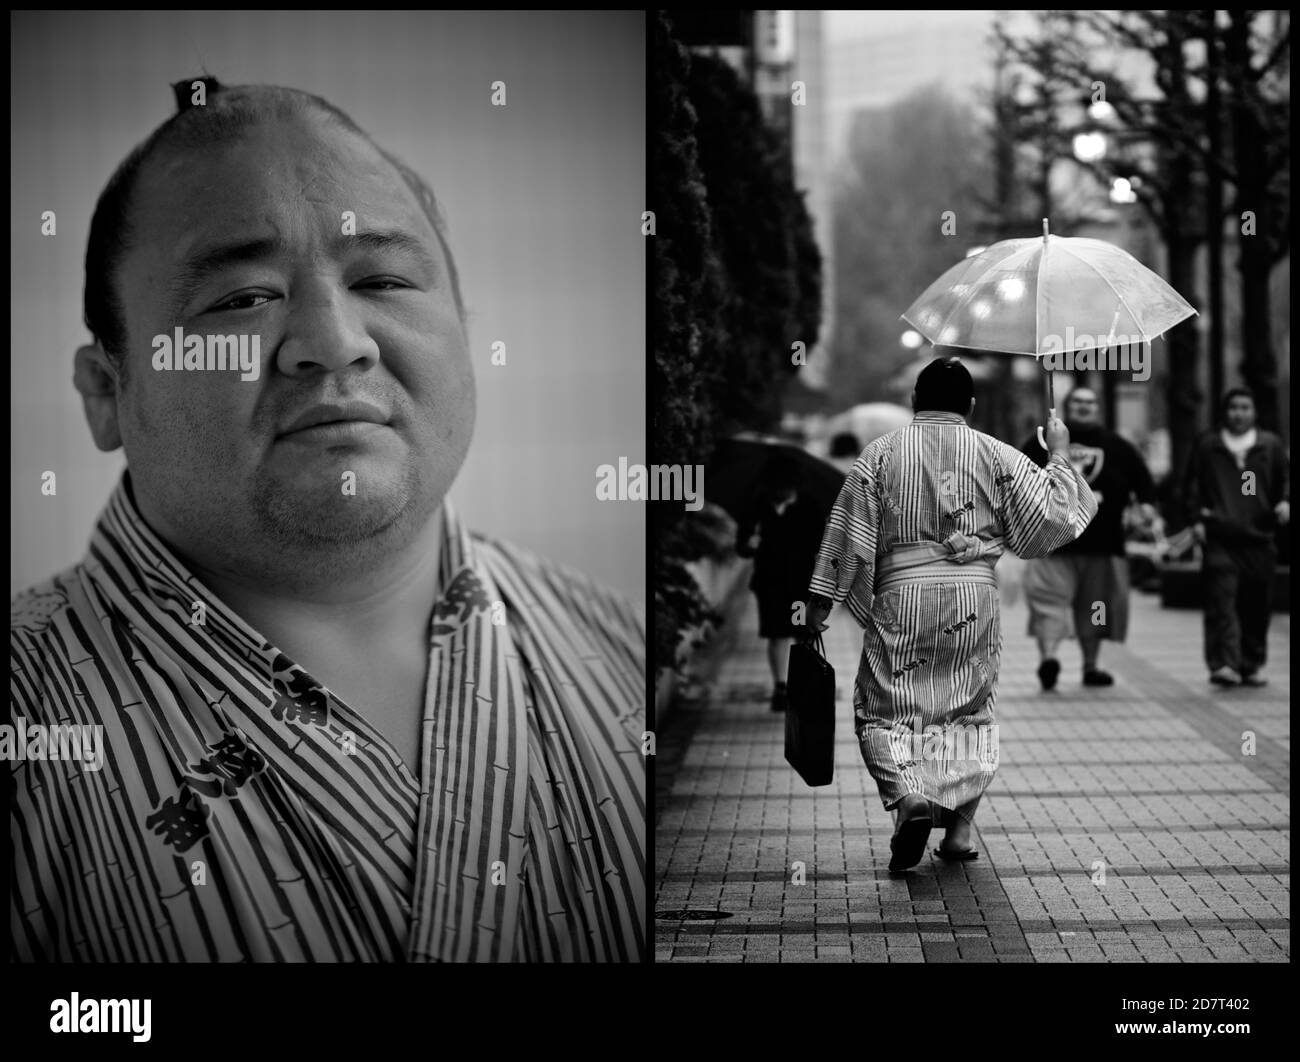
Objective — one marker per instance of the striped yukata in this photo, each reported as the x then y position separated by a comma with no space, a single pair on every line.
910,545
244,813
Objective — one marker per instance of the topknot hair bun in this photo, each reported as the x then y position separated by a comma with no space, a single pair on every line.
184,91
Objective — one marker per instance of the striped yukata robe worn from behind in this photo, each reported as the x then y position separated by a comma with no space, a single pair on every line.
910,546
244,813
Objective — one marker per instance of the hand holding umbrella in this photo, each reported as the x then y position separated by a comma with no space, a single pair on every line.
1056,439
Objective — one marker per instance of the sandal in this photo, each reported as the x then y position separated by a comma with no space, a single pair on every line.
908,842
955,855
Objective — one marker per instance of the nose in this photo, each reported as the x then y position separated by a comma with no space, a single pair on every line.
324,333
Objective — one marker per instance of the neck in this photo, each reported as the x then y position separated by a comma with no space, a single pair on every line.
383,605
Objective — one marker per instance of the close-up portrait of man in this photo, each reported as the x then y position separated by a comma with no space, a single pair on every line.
348,664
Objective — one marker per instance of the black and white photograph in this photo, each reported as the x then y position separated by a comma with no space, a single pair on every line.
648,488
978,650
325,646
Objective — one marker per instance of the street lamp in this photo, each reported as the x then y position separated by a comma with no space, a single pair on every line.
1089,147
1100,111
1121,191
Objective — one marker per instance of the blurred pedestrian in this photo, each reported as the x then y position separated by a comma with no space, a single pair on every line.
1237,495
782,538
844,450
911,545
1082,588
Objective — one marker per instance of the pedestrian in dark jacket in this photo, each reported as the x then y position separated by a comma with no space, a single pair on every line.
783,539
1237,495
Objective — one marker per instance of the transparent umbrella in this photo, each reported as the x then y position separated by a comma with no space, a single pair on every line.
1047,297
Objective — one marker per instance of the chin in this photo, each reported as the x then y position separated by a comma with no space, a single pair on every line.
331,510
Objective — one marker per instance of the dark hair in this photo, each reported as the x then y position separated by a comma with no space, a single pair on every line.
227,112
845,444
1235,392
945,386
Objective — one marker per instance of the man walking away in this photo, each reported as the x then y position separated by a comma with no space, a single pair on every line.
910,546
783,540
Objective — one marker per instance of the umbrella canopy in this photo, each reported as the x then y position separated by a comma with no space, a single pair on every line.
740,473
1045,295
870,420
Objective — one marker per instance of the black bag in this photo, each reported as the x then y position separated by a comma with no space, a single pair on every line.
810,713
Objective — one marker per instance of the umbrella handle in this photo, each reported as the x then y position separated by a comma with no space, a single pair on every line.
1051,414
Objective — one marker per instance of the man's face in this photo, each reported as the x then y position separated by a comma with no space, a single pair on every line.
1082,408
341,319
1240,414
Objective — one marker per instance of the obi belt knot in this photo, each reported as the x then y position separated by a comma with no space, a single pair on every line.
959,557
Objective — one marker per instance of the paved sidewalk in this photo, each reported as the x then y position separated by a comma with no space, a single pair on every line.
1145,781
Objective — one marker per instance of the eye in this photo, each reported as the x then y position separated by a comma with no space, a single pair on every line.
384,284
233,302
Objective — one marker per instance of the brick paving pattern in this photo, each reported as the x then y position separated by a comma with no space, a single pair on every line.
1125,824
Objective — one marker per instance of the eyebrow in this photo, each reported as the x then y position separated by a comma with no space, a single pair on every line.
385,240
194,270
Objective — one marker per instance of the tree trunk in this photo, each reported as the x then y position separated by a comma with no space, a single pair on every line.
1258,364
1181,238
1214,208
1183,393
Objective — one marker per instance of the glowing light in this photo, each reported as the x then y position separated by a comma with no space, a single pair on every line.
1101,111
911,339
1121,191
1011,289
1024,369
980,308
1089,147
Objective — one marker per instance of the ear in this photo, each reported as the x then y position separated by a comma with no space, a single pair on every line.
913,401
972,407
97,381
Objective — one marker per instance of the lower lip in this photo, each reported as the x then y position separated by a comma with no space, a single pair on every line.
339,431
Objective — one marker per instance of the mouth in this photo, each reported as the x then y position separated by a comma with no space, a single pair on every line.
341,420
334,432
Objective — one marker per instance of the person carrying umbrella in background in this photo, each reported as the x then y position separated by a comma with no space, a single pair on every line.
1236,492
782,536
1084,586
910,546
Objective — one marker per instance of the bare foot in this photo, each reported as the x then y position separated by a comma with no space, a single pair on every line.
957,837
